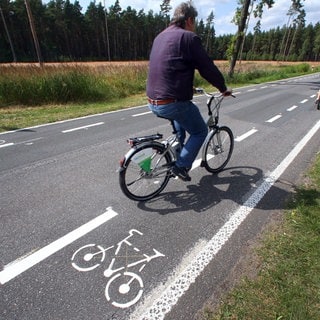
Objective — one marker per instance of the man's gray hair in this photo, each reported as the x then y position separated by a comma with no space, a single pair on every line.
182,12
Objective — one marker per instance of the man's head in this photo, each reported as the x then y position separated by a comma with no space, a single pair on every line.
184,16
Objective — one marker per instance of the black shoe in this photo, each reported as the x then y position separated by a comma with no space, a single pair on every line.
181,173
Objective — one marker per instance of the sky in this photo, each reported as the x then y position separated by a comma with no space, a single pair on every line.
223,11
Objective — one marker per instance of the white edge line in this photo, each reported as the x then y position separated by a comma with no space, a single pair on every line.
245,135
182,282
83,127
18,266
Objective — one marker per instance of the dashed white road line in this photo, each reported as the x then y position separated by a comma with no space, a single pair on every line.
83,127
6,145
141,114
26,142
18,266
304,101
176,288
246,135
292,108
274,118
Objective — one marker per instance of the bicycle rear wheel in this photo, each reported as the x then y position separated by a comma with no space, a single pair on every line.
218,149
145,172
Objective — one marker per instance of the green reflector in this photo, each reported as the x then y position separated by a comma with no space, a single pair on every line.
146,164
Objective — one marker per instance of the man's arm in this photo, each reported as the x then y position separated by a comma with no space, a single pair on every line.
206,67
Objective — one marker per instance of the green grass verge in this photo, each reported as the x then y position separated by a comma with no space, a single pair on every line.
288,282
33,96
14,118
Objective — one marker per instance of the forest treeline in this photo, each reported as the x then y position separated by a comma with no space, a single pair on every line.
65,32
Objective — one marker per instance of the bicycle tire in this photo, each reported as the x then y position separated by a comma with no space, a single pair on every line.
142,184
218,149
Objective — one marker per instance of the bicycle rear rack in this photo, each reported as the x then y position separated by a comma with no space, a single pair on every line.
137,140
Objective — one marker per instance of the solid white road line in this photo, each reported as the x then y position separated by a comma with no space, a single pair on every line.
18,266
84,127
181,283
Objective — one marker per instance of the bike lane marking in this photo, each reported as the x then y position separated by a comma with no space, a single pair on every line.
91,256
18,266
175,289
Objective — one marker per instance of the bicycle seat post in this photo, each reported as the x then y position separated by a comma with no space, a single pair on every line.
175,142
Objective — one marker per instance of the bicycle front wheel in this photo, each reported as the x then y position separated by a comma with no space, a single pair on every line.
145,172
218,149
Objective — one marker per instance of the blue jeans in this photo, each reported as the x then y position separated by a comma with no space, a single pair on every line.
187,118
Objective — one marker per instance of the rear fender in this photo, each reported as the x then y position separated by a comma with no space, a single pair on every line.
137,148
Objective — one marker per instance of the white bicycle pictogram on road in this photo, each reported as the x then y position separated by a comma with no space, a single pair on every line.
128,284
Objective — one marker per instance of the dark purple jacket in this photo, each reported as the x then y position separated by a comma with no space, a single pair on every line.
175,55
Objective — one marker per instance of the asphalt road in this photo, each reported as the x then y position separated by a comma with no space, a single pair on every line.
73,247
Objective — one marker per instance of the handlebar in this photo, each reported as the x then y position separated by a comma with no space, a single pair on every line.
217,102
209,95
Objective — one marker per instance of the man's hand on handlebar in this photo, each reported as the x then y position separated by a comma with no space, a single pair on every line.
227,93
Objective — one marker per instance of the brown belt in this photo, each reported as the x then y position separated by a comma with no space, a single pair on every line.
161,102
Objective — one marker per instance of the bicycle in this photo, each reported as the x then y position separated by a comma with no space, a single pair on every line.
145,170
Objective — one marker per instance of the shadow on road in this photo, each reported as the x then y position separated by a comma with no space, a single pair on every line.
236,184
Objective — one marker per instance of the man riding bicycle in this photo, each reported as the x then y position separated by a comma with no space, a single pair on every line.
176,53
